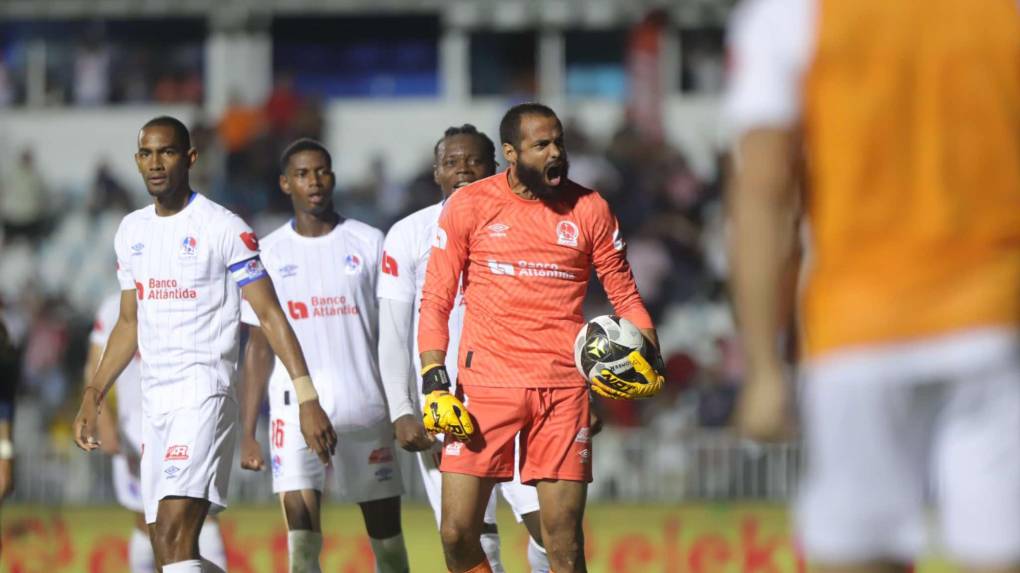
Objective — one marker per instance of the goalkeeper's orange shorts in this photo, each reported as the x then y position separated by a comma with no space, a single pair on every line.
555,440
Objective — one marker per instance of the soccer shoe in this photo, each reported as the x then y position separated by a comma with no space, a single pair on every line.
609,385
443,412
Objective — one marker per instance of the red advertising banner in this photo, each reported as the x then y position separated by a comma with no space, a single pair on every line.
724,538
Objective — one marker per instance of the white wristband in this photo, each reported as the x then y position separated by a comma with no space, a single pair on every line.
6,450
304,389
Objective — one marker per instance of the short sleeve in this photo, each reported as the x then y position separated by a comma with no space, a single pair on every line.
123,253
770,44
397,268
240,248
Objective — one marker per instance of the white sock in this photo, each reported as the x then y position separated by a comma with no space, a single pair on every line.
189,566
304,547
210,545
537,557
140,557
490,545
390,554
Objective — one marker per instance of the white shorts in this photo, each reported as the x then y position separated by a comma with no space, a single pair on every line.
884,426
127,483
189,453
523,499
365,461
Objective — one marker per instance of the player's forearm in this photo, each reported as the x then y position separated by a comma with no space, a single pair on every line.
283,341
120,350
618,281
433,357
434,323
255,372
395,322
763,242
650,334
106,427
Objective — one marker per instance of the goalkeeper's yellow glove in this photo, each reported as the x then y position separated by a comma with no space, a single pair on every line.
649,380
444,412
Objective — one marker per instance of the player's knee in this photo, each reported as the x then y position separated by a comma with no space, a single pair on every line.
562,524
457,536
297,513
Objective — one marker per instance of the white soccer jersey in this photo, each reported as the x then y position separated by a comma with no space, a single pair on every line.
186,269
405,258
128,386
327,286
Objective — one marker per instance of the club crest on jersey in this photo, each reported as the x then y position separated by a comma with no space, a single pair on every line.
136,249
287,271
352,264
189,246
566,233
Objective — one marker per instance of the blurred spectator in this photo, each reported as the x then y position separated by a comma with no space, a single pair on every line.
6,83
283,106
44,350
240,125
23,200
191,89
107,193
91,71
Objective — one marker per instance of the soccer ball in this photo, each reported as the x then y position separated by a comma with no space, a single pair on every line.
604,344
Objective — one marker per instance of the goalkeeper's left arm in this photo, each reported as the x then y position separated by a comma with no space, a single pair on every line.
609,256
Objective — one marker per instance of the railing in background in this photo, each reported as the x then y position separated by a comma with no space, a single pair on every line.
633,465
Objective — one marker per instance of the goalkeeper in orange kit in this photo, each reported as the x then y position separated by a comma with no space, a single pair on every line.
522,243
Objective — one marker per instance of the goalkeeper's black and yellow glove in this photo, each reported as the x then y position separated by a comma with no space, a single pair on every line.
648,383
443,412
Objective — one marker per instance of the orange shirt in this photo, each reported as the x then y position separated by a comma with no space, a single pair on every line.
525,268
912,126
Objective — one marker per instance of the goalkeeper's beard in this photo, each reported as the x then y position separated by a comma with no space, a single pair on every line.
534,179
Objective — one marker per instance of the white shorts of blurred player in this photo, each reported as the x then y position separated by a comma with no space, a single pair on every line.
127,484
364,464
889,428
523,499
189,452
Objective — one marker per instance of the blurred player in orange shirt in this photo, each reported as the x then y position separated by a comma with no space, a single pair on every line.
909,114
522,244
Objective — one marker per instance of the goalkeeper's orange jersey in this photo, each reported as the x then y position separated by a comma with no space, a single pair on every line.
524,266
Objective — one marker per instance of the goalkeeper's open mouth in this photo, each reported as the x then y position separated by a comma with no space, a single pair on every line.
555,174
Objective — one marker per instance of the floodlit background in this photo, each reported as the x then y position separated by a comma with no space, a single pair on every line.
637,84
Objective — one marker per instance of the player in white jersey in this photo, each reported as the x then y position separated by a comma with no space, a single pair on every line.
325,268
180,263
122,439
462,156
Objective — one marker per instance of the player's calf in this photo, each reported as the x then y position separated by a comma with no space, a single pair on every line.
382,523
562,509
